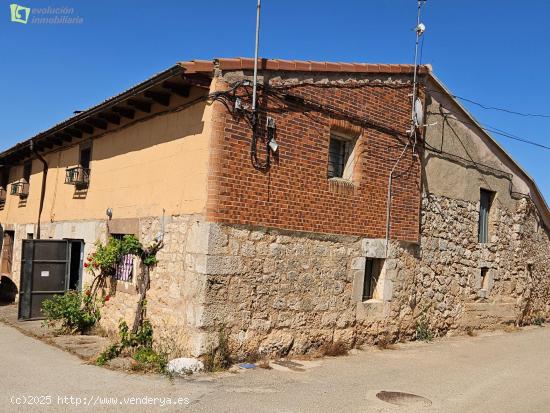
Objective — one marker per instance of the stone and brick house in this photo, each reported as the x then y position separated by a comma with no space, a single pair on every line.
286,249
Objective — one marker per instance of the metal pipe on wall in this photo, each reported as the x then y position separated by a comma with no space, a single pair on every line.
388,201
43,190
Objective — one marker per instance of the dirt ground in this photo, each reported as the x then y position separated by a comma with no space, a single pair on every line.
504,372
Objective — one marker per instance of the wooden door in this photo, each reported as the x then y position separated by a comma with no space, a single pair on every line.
7,252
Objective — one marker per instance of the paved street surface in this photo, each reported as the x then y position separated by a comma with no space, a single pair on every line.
499,372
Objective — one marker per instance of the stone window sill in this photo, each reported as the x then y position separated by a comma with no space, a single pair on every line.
370,310
372,301
341,186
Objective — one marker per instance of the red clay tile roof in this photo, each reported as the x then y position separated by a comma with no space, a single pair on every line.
240,63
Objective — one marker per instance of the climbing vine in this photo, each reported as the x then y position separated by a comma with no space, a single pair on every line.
103,262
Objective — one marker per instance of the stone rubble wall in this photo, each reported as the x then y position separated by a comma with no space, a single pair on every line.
278,291
281,292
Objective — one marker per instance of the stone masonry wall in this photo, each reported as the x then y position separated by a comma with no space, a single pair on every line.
448,286
177,285
278,291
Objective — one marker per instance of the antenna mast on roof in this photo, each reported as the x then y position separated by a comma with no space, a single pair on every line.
416,111
255,87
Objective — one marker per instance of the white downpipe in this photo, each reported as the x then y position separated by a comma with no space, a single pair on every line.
388,201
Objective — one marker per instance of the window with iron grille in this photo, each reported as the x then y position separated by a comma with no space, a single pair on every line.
373,268
485,203
125,267
339,151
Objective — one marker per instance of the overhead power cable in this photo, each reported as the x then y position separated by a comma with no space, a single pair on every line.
513,112
492,129
487,107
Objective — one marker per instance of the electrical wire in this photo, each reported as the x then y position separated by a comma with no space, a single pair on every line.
487,107
512,112
491,129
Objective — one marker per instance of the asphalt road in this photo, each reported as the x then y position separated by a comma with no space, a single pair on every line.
500,372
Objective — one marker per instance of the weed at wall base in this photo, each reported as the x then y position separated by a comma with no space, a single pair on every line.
423,332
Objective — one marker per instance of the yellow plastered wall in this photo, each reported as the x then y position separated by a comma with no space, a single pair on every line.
138,170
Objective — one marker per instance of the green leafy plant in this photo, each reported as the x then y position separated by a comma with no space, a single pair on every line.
103,262
110,353
76,311
423,331
106,257
137,345
149,360
538,321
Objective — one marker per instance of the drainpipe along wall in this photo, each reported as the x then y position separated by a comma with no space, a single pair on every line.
43,190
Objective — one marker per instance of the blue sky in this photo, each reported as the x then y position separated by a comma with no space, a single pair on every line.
492,51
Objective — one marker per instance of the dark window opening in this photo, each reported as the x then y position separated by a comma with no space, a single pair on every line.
484,278
339,152
485,203
75,270
125,267
5,180
373,268
27,170
85,157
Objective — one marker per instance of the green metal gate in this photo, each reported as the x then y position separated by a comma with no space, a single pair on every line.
44,274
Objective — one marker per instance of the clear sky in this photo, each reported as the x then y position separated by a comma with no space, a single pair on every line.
493,51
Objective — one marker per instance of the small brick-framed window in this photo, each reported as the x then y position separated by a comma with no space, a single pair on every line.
339,156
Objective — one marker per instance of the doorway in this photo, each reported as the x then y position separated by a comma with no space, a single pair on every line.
76,264
7,252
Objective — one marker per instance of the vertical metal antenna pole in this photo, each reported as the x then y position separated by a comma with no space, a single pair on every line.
415,75
416,55
413,132
255,87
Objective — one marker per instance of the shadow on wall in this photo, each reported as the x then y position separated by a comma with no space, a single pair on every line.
8,290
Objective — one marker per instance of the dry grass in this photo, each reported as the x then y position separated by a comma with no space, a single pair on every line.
471,332
264,364
511,328
333,349
385,343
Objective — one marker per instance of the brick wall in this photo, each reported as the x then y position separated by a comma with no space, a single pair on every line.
295,192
